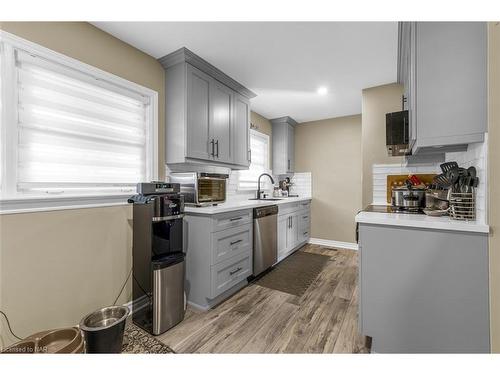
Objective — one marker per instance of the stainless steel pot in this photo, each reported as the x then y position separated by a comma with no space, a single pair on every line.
403,197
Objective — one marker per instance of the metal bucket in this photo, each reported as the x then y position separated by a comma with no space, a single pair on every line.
103,329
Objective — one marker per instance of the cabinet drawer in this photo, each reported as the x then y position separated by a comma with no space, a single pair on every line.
306,205
231,219
287,208
304,235
231,242
304,220
230,272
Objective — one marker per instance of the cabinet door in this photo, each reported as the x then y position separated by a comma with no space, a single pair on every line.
293,231
290,149
451,78
221,116
198,114
283,223
241,133
411,90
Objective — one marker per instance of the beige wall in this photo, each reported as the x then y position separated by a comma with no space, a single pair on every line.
376,102
331,150
57,266
494,180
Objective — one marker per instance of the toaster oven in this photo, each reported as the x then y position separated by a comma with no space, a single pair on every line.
200,188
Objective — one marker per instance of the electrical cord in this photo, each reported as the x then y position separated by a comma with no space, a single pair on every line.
8,325
123,286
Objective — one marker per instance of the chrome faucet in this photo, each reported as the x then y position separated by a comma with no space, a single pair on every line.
258,183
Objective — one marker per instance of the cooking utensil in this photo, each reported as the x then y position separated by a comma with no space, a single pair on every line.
436,199
445,167
433,212
442,181
403,197
453,176
472,171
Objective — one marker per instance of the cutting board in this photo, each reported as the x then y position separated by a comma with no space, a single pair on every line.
399,180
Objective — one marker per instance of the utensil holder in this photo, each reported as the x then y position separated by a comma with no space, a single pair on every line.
463,206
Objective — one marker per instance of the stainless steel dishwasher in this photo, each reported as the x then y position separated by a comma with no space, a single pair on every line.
265,239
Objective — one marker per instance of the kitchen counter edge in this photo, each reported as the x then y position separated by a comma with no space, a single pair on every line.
240,205
420,221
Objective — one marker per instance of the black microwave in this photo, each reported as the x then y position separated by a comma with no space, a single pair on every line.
397,133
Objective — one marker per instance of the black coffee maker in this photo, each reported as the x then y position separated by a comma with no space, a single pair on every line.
158,256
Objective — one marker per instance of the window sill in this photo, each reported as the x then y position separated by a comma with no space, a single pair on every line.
40,204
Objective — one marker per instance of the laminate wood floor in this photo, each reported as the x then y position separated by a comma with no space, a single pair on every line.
262,320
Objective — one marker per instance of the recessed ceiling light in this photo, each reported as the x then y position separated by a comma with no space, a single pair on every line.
322,90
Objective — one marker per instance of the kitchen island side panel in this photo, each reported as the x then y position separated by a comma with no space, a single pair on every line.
424,291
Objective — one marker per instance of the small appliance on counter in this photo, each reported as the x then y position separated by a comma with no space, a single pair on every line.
408,198
158,256
285,186
200,188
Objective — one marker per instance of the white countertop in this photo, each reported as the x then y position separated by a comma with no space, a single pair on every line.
421,221
241,205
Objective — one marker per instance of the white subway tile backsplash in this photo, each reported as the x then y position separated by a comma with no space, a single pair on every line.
302,184
476,155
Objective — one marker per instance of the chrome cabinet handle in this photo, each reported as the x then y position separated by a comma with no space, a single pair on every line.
217,144
235,242
250,156
305,233
305,217
235,271
235,218
288,164
212,143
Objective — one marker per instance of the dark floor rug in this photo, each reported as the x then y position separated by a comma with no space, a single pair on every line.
294,274
138,341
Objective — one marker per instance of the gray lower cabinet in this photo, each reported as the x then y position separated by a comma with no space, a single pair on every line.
283,145
207,114
293,227
443,66
219,256
423,290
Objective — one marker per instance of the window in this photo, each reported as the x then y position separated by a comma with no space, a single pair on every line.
259,146
71,130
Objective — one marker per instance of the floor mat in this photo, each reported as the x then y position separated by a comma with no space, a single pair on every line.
138,341
294,274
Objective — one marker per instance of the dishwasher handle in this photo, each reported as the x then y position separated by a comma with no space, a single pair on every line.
265,211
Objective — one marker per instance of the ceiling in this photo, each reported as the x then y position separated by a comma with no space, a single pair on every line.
284,63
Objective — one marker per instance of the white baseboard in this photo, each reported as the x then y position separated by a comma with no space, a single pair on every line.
334,244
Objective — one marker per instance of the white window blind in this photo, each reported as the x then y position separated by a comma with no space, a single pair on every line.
259,146
77,134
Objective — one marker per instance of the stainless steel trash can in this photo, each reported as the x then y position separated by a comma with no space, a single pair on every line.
103,329
168,292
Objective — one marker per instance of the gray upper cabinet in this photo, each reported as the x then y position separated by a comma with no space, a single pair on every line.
207,116
221,116
198,114
241,130
443,68
283,145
